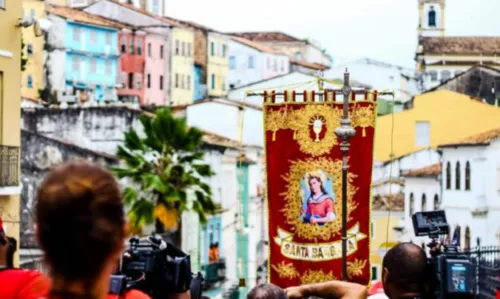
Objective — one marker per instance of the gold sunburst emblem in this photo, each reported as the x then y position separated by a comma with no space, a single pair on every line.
316,276
285,270
363,117
356,267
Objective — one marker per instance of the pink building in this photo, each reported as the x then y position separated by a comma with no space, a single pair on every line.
156,78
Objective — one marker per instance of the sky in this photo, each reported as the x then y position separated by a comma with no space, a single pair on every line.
351,29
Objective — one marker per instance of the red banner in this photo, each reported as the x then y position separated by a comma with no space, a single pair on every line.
304,189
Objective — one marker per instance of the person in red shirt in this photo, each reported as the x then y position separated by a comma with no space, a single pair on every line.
320,205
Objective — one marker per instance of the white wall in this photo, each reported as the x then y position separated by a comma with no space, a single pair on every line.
479,207
56,58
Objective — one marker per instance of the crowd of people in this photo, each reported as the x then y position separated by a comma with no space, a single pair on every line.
81,228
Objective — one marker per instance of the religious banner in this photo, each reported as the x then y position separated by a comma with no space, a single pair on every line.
304,188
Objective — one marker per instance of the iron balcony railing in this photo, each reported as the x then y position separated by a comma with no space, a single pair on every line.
9,166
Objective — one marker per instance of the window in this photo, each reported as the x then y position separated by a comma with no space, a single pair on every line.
433,75
177,80
374,273
161,82
93,65
232,62
448,176
155,8
275,65
372,230
109,68
76,63
282,65
189,50
123,44
424,203
176,47
411,203
467,237
30,50
457,176
138,44
445,75
109,39
131,45
130,80
467,176
212,48
123,79
32,13
30,81
188,82
223,83
76,34
250,62
224,50
183,45
423,133
182,81
148,81
149,49
436,202
138,81
161,52
2,3
213,81
93,37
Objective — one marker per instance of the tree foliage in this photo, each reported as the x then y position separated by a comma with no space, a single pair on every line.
166,164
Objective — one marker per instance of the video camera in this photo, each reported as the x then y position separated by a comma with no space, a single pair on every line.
156,268
451,273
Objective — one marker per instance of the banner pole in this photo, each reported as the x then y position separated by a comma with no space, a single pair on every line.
345,132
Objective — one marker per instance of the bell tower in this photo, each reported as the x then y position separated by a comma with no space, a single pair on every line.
431,17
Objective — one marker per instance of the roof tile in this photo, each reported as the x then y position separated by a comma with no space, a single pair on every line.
461,45
267,36
428,171
484,138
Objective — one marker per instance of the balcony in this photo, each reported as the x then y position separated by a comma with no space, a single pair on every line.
215,272
9,170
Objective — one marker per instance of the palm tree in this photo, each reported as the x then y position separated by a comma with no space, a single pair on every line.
165,166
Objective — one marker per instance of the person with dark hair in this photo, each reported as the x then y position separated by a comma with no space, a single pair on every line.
404,271
81,229
267,291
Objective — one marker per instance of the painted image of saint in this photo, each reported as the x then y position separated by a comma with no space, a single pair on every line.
319,204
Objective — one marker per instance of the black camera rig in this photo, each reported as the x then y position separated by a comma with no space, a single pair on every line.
451,273
156,268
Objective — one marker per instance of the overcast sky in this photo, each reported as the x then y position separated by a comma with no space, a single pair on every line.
349,29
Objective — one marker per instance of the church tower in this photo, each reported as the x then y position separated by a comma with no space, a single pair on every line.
431,21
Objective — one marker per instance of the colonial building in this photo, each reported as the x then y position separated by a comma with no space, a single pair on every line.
87,44
442,57
10,101
131,66
251,62
297,49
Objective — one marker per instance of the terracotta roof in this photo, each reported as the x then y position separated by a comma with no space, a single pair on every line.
267,36
461,45
484,138
255,45
395,202
310,65
236,103
463,63
81,16
429,171
216,139
168,21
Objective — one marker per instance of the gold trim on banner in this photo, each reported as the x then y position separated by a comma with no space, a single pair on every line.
294,198
285,270
317,276
363,117
317,252
356,267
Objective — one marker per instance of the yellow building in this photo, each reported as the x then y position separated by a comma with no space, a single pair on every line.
381,239
32,77
218,64
10,114
436,118
182,67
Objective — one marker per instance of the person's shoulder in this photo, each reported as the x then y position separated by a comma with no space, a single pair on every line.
135,294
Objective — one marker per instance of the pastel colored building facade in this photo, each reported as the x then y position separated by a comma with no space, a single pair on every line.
156,74
131,66
10,103
88,46
182,66
32,76
251,62
218,64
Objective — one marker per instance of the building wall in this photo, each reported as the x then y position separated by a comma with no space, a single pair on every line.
182,66
199,87
34,68
56,44
132,48
156,67
10,101
479,207
218,64
201,50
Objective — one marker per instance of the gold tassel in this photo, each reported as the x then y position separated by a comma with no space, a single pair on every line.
274,135
294,135
364,132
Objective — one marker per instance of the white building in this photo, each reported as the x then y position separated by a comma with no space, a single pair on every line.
250,62
471,188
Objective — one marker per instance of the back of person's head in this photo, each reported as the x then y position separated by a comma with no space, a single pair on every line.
80,220
266,290
405,268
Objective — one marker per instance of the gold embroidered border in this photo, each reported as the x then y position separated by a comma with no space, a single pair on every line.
294,199
285,270
316,276
363,117
356,267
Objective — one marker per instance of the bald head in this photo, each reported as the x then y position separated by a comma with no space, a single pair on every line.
266,291
406,264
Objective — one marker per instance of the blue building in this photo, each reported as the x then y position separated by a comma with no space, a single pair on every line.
200,90
91,56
